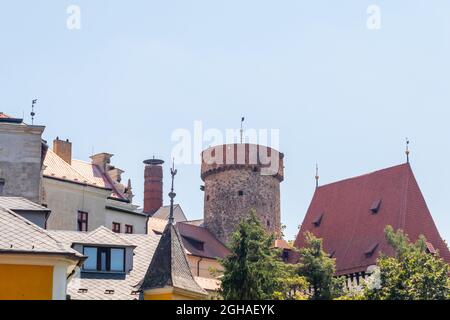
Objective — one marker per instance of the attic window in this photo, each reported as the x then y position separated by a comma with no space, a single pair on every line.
371,250
199,245
318,221
82,290
430,249
108,291
375,206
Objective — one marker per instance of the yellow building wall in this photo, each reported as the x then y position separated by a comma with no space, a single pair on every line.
26,282
166,296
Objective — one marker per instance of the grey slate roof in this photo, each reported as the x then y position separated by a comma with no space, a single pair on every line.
169,266
104,236
94,286
20,204
164,211
18,235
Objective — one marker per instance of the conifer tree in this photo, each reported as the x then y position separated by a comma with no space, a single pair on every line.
251,268
319,270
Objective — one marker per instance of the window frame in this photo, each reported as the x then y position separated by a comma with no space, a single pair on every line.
129,227
81,221
114,224
107,251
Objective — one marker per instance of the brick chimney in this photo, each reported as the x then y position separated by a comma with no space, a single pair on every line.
63,149
153,186
102,160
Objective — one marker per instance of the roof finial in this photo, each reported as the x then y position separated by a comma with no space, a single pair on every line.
172,194
242,129
407,150
317,175
33,102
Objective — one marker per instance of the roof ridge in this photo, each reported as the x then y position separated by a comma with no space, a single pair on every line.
365,174
103,228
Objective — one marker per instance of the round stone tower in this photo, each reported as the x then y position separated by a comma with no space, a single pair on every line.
239,178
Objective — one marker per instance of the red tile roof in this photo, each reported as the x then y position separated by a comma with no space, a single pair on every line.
212,248
4,116
354,232
79,172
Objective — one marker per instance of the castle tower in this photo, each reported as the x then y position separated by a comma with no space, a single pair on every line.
239,178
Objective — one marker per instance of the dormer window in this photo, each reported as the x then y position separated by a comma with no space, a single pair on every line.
371,251
375,206
430,249
199,245
104,259
318,220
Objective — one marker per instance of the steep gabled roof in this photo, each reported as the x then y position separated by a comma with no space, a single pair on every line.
169,265
353,229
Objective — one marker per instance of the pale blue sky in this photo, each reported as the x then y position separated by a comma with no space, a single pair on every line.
341,95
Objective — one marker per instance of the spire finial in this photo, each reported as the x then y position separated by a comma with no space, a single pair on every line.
32,113
242,129
407,150
317,175
172,194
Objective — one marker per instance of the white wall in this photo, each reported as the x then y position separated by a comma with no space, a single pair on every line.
65,199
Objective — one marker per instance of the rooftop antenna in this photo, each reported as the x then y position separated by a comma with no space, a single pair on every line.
33,102
407,150
242,128
317,175
172,194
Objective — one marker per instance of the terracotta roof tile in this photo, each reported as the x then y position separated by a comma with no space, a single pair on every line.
211,248
349,227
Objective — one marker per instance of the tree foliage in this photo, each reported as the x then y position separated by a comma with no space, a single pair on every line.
251,268
319,270
412,273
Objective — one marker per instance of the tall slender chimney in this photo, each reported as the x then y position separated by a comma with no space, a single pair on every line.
153,185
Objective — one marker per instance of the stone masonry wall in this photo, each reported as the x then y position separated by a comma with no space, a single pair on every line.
230,196
20,160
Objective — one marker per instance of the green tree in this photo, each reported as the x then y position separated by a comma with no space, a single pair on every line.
251,268
412,273
319,270
290,285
